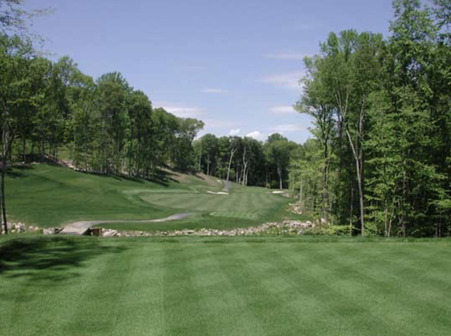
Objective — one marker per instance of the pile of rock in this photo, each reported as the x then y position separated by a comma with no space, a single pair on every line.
51,231
109,233
289,227
296,208
19,227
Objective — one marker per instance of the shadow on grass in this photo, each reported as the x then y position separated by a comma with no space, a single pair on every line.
159,177
49,259
17,171
14,174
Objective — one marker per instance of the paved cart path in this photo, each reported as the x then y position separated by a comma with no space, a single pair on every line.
79,228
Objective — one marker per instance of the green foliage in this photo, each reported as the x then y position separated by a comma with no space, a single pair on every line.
103,126
329,230
251,161
382,122
278,151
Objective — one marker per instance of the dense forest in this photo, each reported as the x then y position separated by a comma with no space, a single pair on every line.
103,125
245,160
380,159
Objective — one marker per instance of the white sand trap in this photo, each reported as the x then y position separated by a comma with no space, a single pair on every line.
218,193
278,192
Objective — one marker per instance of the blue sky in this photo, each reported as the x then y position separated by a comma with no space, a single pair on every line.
233,64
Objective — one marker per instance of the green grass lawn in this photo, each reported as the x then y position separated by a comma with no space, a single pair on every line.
213,286
51,196
244,207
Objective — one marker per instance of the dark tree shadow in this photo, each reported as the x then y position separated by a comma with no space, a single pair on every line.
160,177
49,259
14,174
17,171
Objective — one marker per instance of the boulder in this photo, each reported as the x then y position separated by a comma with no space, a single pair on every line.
48,231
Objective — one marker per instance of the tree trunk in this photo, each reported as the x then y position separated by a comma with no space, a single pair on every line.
359,182
279,172
351,210
361,202
208,164
300,195
243,176
5,222
326,183
245,172
404,193
42,150
5,138
439,227
138,155
389,227
24,148
230,162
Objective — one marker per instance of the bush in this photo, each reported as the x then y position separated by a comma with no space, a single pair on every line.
329,230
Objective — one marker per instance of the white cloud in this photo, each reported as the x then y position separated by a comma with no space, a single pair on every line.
212,90
287,56
256,135
234,132
286,80
288,128
180,110
285,109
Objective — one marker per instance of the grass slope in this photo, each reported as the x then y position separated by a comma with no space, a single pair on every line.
51,196
238,286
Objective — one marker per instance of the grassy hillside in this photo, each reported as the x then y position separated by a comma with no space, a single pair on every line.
51,196
235,286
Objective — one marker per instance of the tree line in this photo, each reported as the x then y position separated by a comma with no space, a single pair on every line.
103,125
244,160
53,110
380,157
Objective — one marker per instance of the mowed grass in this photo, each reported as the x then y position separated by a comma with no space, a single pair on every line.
244,207
237,286
50,196
236,205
